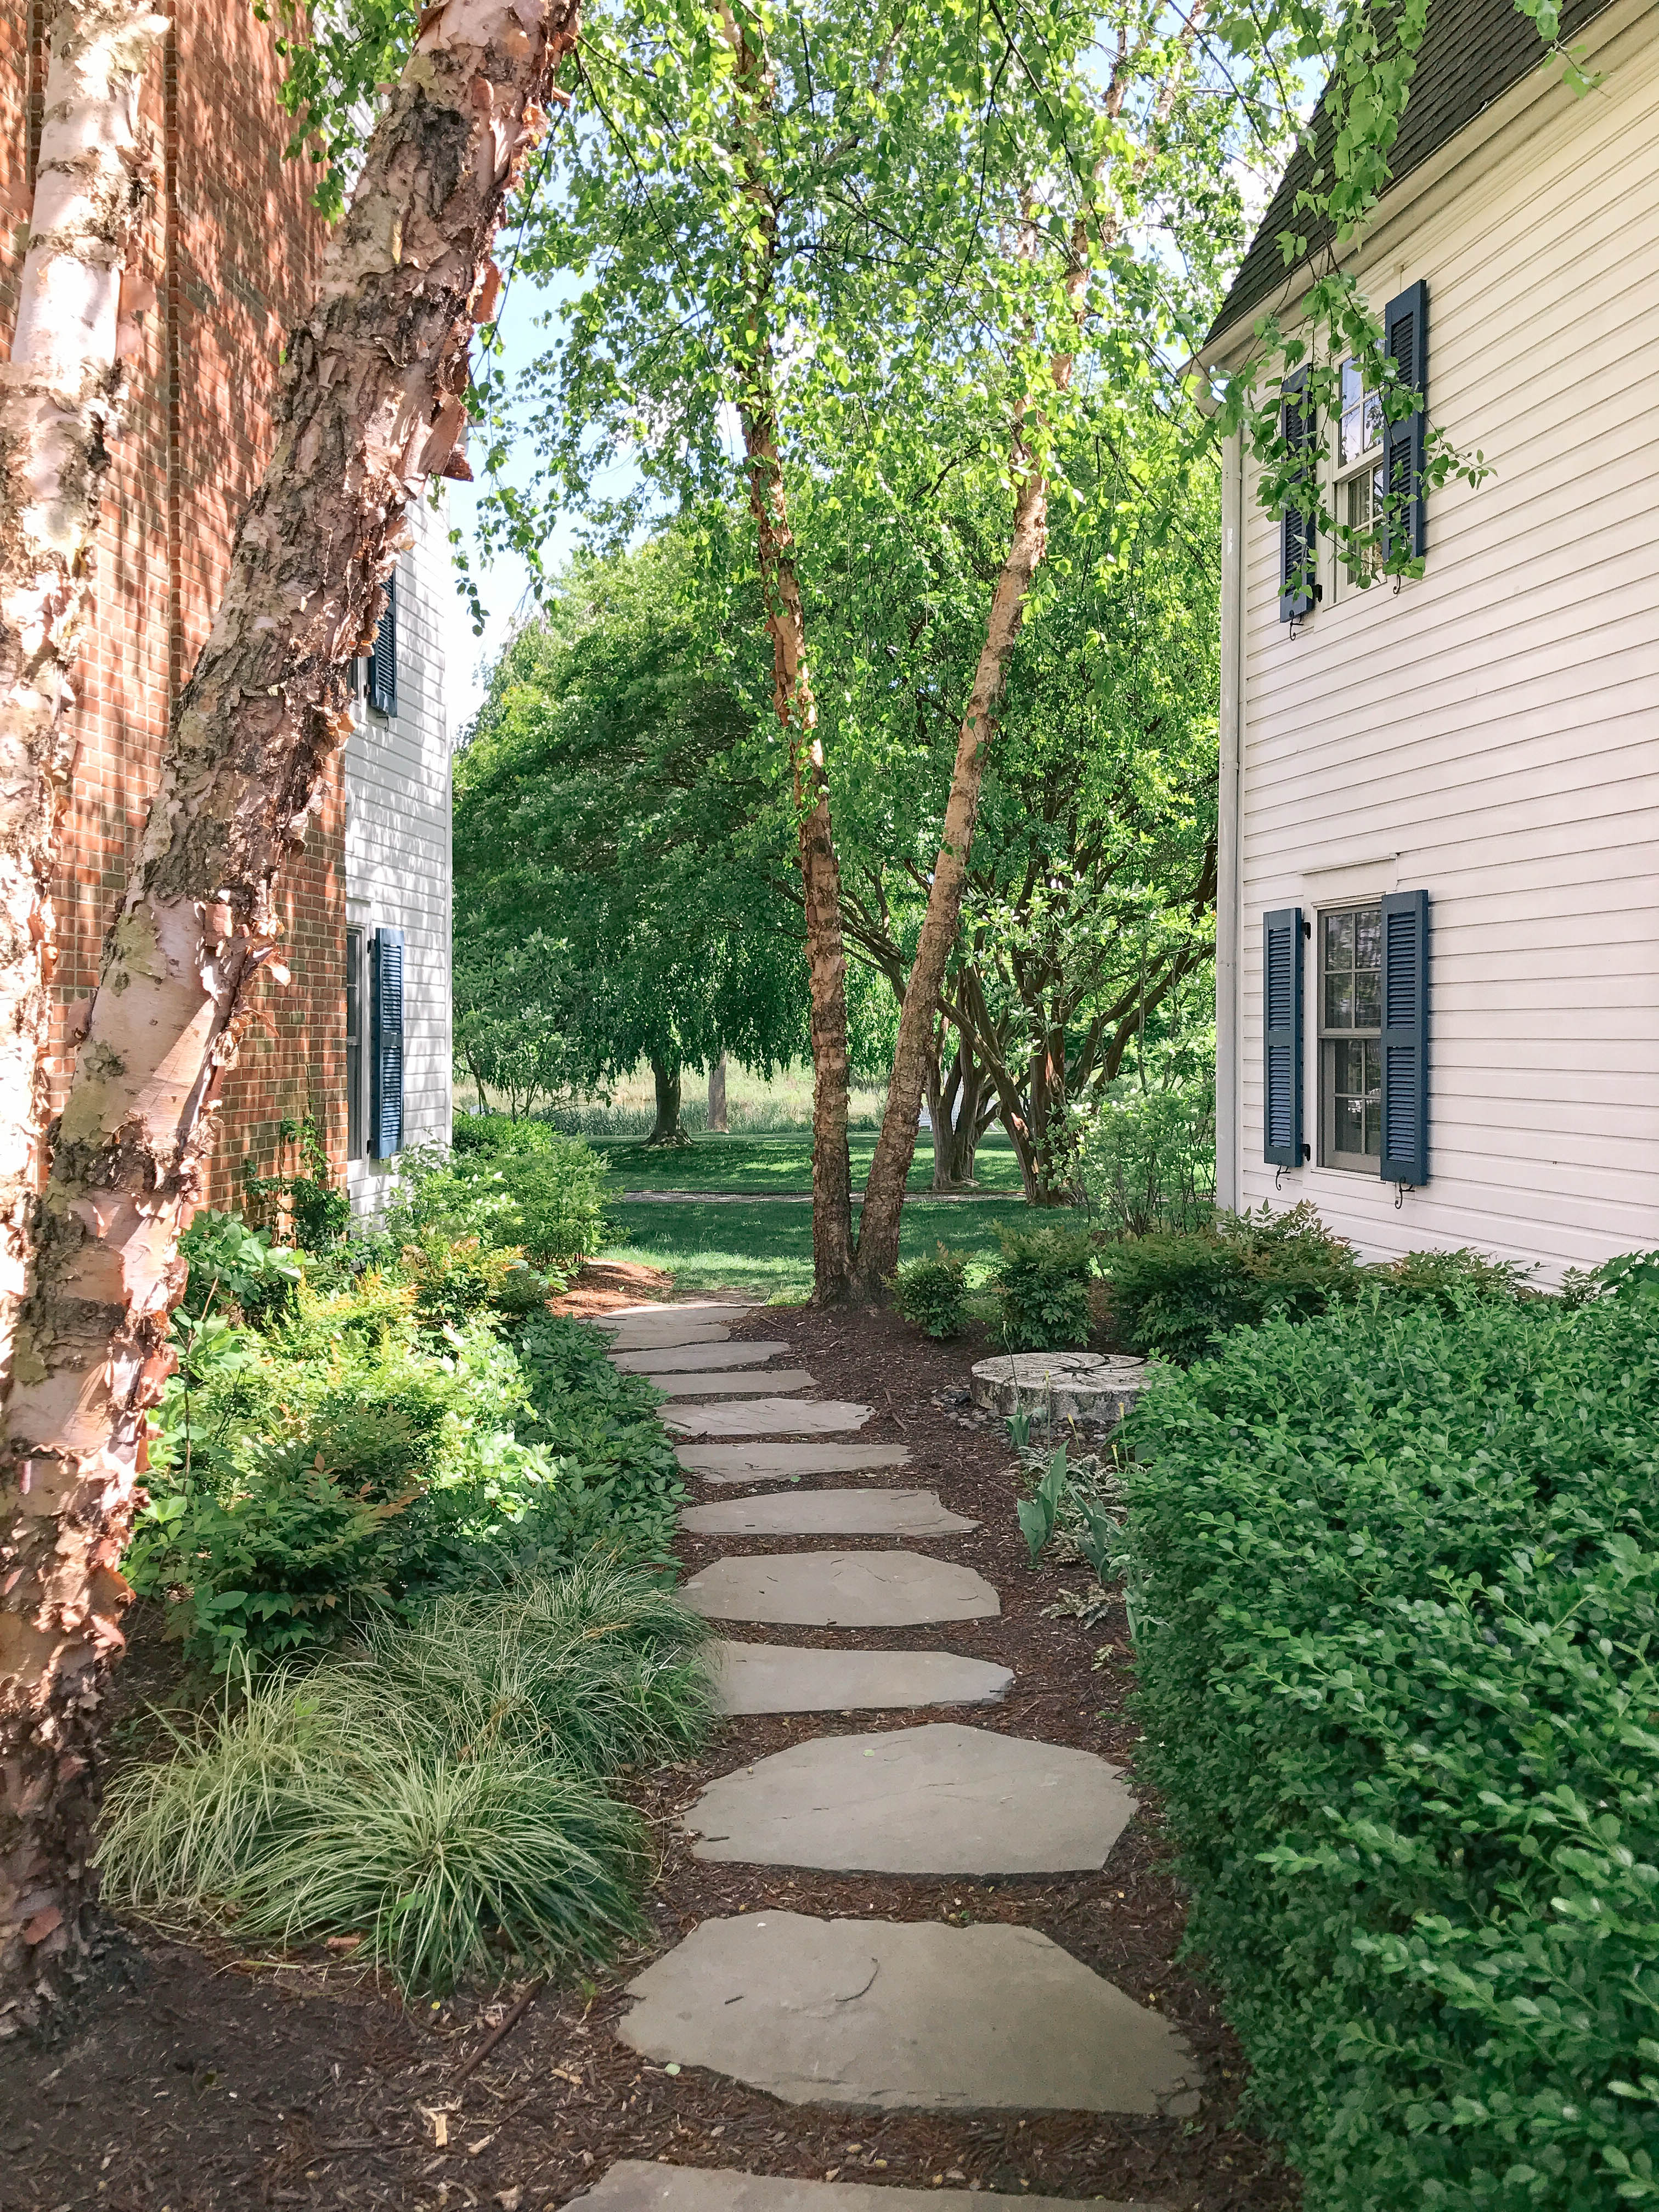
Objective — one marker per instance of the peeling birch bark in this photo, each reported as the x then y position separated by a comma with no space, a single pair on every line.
881,1214
61,396
366,414
797,713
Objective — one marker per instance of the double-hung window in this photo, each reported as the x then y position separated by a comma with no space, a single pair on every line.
1360,482
1350,1038
353,1043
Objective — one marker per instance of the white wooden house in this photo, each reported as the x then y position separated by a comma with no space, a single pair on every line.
1437,988
399,878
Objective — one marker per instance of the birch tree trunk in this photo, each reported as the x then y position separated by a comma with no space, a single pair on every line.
797,710
60,409
884,1190
372,406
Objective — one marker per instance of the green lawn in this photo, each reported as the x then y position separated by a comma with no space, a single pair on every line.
767,1250
758,1165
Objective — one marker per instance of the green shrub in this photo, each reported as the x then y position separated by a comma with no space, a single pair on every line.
1144,1155
1449,1279
507,1183
438,1793
932,1294
1395,1582
237,1268
1174,1295
1041,1283
350,1458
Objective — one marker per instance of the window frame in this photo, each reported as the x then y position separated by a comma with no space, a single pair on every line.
1329,1037
1371,460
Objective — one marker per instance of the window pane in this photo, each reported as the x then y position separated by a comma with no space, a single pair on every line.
1350,1126
1353,385
1367,1001
1339,940
1368,937
1339,1002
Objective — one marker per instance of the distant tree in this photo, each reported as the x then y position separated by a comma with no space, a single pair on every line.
622,831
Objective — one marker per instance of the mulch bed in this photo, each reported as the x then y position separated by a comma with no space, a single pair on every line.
198,2078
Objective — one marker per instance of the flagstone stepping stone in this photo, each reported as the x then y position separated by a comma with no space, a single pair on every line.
665,1335
745,1385
940,1799
766,1416
694,1359
841,1589
1090,1386
651,1308
906,2015
779,1678
827,1513
635,2184
764,1463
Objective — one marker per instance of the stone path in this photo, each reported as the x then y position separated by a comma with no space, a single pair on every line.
828,1513
635,2184
875,2012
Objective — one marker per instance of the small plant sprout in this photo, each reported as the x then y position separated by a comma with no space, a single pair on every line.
1037,1513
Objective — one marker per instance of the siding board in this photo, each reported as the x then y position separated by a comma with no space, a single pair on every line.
1494,723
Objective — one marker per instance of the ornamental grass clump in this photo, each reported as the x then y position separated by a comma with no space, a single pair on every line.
440,1793
1395,1578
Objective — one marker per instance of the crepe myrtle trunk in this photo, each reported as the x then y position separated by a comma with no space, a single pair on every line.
666,1074
61,396
371,406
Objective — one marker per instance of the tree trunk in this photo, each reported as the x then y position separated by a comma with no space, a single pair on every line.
666,1074
957,1142
717,1121
884,1191
60,404
797,711
372,406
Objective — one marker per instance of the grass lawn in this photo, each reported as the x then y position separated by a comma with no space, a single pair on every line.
757,1165
767,1250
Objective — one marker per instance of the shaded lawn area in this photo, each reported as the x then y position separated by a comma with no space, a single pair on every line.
757,1165
767,1250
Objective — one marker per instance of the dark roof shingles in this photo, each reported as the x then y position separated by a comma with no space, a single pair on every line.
1473,51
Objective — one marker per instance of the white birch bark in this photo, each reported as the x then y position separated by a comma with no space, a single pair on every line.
60,402
372,407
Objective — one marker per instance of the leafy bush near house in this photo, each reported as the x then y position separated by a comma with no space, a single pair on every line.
237,1268
440,1792
556,1184
1041,1285
351,1457
1177,1295
932,1294
1395,1580
1145,1153
1173,1294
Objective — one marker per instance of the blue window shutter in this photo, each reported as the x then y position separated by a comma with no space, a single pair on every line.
1406,338
1282,1034
1406,1038
1298,535
385,1131
383,660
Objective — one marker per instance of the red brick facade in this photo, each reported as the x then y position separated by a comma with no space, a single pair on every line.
233,250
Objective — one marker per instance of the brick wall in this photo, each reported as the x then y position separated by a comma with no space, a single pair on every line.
233,250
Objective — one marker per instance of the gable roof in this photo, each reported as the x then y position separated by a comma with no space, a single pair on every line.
1473,51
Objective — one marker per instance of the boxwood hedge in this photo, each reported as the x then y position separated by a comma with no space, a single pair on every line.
1395,1575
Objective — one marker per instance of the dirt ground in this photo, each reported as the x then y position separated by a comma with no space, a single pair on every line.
202,2078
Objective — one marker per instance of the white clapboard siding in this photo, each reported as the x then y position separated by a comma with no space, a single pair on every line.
399,869
1491,734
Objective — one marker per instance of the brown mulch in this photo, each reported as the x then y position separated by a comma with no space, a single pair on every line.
205,2080
602,1286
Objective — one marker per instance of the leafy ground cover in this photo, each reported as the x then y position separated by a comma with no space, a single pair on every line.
775,1165
767,1250
1394,1583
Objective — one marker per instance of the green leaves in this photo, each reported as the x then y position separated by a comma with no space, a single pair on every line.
1037,1514
1397,1578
